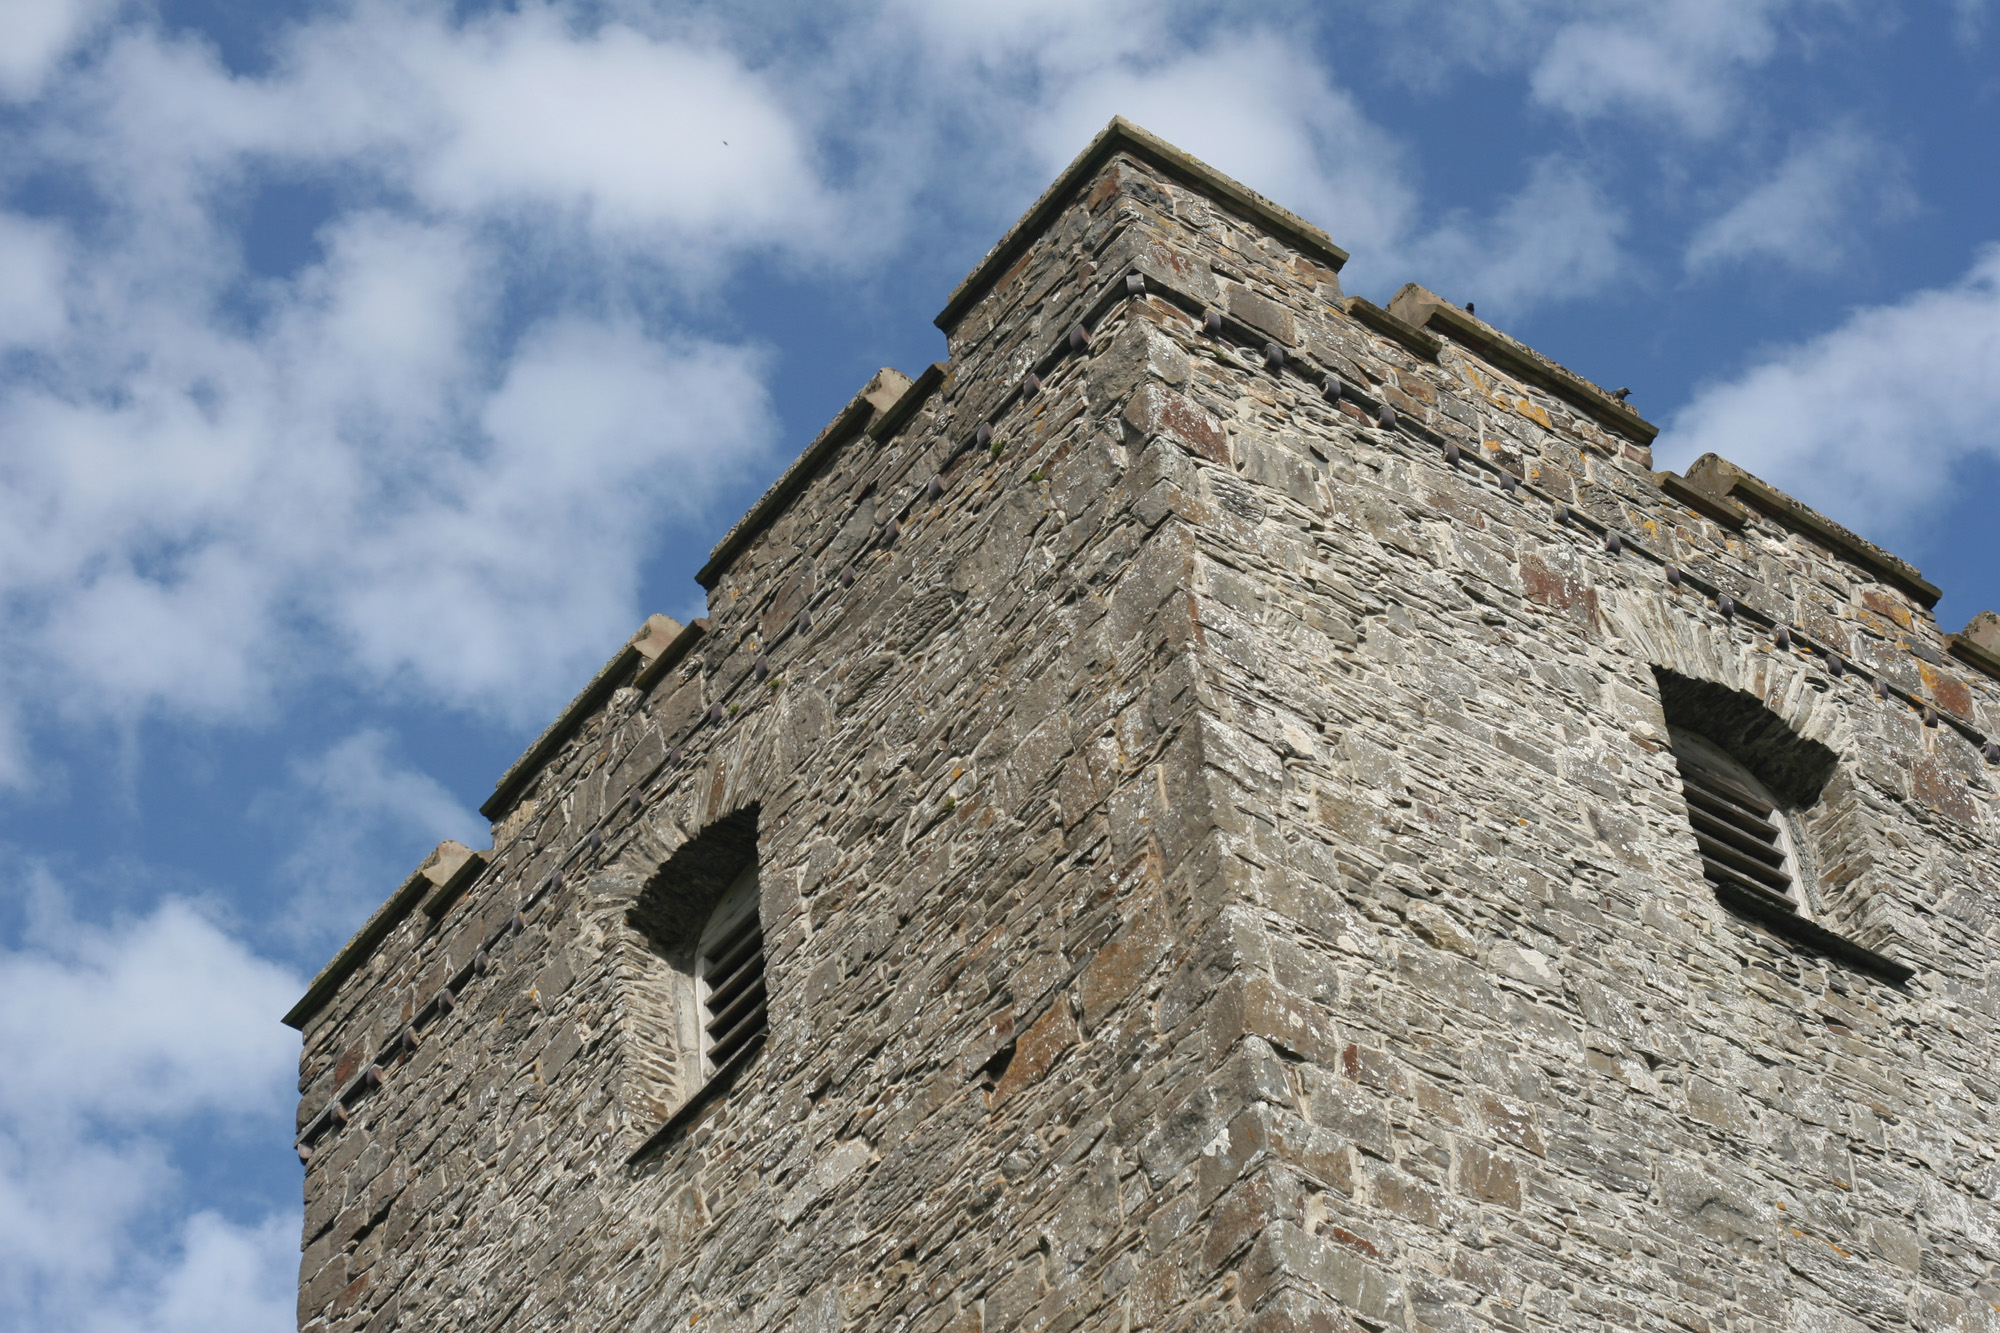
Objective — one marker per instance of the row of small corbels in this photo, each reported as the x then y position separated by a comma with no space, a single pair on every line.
1229,334
340,1109
1784,636
1277,360
1232,334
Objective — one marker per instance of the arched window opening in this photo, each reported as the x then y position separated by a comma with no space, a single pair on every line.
692,976
729,976
1782,837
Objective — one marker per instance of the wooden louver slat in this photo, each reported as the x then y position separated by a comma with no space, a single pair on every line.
1743,844
735,1002
1725,787
1736,830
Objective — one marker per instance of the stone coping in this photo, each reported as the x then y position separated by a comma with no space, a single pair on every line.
447,870
1122,136
1974,653
1718,507
460,880
877,396
1983,631
1392,325
681,646
661,642
652,639
1424,309
1719,476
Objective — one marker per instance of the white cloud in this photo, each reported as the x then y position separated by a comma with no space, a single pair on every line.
1677,61
378,466
1807,213
1680,64
116,1039
375,471
595,436
1058,34
1555,239
642,142
226,1278
365,821
1257,108
1269,116
642,132
1871,421
156,1018
35,35
32,265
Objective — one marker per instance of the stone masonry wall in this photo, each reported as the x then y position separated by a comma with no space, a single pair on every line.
1221,869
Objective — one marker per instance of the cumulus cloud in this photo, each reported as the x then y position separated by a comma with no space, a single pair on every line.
1806,214
645,140
35,35
595,436
1677,63
159,1017
1271,117
353,477
1275,120
1835,421
225,1277
402,463
430,457
640,140
114,1038
1555,239
439,451
32,270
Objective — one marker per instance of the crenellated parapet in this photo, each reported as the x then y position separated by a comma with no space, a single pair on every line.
1180,817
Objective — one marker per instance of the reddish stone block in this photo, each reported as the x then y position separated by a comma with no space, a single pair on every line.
1038,1049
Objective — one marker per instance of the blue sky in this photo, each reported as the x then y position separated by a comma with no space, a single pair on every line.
368,371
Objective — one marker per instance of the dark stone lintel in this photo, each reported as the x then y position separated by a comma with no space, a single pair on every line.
1783,919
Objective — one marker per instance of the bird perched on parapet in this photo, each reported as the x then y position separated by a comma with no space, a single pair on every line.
1621,394
1468,308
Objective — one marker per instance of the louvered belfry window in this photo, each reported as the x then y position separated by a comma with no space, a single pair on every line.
1745,841
729,977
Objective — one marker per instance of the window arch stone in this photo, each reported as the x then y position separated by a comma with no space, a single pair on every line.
710,877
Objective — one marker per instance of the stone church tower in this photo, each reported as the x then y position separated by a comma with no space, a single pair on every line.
1223,806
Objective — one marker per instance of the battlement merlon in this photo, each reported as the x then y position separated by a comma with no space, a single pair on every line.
1122,136
1978,644
661,636
1719,476
1424,309
440,879
876,403
1416,317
